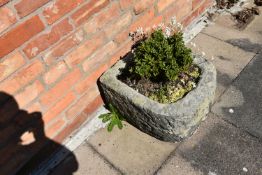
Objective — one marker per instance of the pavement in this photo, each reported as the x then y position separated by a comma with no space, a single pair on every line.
228,142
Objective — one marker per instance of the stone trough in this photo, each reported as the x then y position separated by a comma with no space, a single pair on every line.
167,122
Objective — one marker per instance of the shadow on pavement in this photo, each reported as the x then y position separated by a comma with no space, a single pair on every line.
23,143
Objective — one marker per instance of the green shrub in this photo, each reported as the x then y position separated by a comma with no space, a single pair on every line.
161,57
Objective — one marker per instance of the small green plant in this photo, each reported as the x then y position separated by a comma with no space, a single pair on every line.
113,118
161,57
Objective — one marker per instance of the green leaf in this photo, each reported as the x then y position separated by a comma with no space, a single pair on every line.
110,127
103,115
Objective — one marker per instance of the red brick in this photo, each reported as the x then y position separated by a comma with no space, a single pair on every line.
196,3
124,4
36,107
54,129
142,6
85,50
163,4
29,94
93,105
122,22
180,10
59,8
123,51
81,104
10,64
60,88
7,18
17,36
25,7
100,57
62,47
22,78
3,2
70,127
99,21
90,80
144,20
46,40
55,72
85,12
58,108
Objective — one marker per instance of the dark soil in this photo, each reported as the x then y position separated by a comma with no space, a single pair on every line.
258,2
226,4
245,16
160,90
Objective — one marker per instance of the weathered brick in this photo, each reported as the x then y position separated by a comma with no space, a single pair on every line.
22,78
70,127
85,12
122,22
60,88
163,4
62,47
3,2
10,64
124,4
120,53
100,57
52,130
142,6
55,72
25,7
20,34
90,80
7,18
59,8
91,107
85,50
196,3
36,107
46,40
29,94
180,10
59,107
81,104
143,20
100,20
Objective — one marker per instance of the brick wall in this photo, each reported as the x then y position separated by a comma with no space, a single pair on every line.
53,51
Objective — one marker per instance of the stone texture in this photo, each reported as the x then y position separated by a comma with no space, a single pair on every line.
228,60
130,150
217,148
163,121
244,97
91,163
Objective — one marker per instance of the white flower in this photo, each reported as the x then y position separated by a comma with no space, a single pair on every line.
167,32
245,169
140,30
173,21
194,84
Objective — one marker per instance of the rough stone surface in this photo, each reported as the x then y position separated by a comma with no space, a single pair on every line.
241,104
91,163
217,148
167,122
130,150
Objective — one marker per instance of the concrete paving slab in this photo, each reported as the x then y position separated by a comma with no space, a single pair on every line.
247,40
177,165
241,104
228,60
89,162
218,148
130,150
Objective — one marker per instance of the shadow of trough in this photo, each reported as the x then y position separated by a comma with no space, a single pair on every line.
245,44
23,143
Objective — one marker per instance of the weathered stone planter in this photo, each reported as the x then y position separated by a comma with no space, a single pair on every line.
167,122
